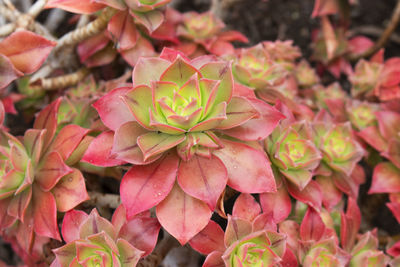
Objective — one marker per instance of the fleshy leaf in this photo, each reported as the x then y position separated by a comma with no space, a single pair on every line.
312,226
148,70
45,214
385,179
129,255
144,186
123,30
19,204
154,143
68,139
311,194
182,215
26,50
203,178
248,169
71,224
151,19
246,207
238,111
140,101
210,239
75,6
8,72
277,204
47,119
70,191
236,229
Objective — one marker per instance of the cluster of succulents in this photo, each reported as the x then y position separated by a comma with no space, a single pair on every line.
197,123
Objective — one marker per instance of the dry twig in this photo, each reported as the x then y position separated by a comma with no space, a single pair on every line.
62,81
159,253
104,200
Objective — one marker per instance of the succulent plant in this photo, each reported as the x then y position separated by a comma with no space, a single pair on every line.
172,121
94,241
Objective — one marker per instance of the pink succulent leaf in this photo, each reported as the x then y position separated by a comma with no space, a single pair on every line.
117,4
210,239
141,232
231,36
153,143
388,122
203,178
139,100
102,57
346,183
5,219
393,152
332,195
312,226
95,224
148,70
19,204
359,44
264,221
220,47
257,128
394,250
45,214
372,136
112,109
2,109
143,48
151,20
47,119
220,71
26,50
182,215
71,224
145,186
119,218
64,255
214,260
278,204
123,31
129,255
246,207
33,142
311,194
248,169
236,229
8,72
18,156
350,225
87,48
75,6
385,179
70,191
179,72
171,54
289,258
50,170
125,145
238,111
68,139
98,152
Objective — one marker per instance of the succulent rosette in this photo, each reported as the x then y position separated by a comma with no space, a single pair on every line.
250,239
305,75
366,253
283,52
204,31
36,181
365,78
94,241
361,114
172,123
293,153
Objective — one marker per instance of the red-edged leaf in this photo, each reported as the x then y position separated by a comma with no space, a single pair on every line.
5,219
129,255
70,191
264,221
8,72
151,20
372,136
68,139
87,48
236,229
350,224
26,51
248,169
312,226
214,260
385,179
324,7
47,119
123,30
246,207
143,48
112,109
395,209
332,195
148,70
203,178
154,143
50,170
311,194
75,6
257,128
182,215
45,214
144,186
278,204
19,204
394,250
210,239
238,111
142,233
33,142
71,224
389,125
98,152
231,36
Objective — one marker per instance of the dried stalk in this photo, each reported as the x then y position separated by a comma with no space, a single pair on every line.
36,8
159,253
61,81
87,31
7,13
7,29
104,200
394,21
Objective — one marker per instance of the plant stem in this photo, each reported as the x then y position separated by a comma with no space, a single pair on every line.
159,253
104,200
60,81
